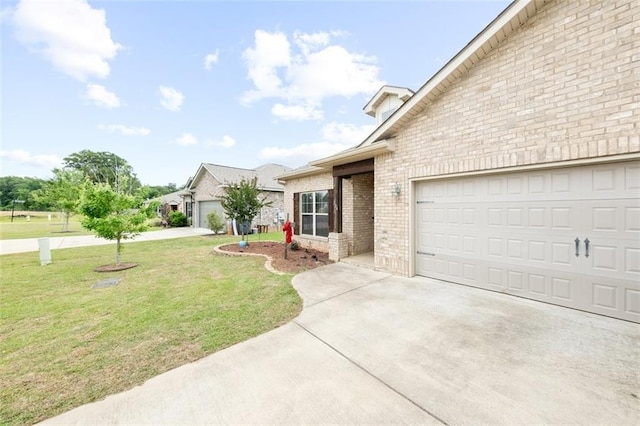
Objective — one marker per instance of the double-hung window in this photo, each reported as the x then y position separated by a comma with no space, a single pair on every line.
314,211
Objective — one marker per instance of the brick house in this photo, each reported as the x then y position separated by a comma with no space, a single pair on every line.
203,192
515,168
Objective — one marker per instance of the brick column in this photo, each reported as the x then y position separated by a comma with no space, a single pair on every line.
338,246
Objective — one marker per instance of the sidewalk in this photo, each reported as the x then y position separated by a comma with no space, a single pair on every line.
31,244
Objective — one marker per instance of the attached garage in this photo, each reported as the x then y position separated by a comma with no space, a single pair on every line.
206,207
566,236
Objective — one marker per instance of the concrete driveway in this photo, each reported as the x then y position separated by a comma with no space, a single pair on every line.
370,348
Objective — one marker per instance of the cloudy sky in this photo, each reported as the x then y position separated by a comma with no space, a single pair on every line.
168,85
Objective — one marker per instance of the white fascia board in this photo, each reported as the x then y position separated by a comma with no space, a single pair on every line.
356,154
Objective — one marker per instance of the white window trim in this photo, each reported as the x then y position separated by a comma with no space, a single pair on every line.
314,214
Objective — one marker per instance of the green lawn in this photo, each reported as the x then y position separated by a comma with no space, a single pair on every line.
39,226
63,344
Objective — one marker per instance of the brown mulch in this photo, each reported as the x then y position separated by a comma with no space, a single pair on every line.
297,260
115,267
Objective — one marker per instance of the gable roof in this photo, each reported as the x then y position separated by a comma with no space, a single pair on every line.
265,174
403,94
379,141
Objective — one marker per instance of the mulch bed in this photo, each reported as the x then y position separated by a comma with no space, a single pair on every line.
297,260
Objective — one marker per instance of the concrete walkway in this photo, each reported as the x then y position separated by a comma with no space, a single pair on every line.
371,348
31,244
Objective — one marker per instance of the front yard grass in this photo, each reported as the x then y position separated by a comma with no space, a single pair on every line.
63,344
38,226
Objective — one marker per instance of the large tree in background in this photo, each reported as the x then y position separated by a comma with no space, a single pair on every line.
104,167
113,215
63,193
240,202
21,188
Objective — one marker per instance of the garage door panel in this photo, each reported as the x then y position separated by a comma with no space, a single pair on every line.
206,207
558,287
613,297
516,233
631,219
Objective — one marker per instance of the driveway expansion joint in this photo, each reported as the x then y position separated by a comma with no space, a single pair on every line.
369,373
348,291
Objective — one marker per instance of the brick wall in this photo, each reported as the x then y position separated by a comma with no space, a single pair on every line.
563,87
362,213
208,189
348,224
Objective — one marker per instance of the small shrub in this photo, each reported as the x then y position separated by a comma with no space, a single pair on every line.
157,222
215,222
294,245
177,219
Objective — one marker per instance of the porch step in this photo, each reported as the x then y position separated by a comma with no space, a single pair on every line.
364,260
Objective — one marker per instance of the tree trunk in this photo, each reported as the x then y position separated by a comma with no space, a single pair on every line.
117,251
65,225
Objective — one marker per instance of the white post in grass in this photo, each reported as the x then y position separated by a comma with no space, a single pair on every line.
45,251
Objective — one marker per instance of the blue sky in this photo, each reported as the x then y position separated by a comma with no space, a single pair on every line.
168,85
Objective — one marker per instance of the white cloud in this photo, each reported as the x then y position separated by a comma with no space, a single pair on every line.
226,142
306,73
211,59
297,112
304,152
171,98
72,35
336,137
186,139
346,133
101,96
24,157
125,130
271,51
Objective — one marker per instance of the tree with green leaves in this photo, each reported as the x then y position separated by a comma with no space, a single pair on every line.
63,192
21,188
240,202
112,215
104,167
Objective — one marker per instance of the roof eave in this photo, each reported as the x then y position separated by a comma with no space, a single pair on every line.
356,154
295,174
403,94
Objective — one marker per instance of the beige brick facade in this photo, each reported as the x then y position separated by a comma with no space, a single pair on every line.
358,213
563,87
208,189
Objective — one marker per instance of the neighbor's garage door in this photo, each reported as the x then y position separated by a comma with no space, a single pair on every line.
206,207
526,234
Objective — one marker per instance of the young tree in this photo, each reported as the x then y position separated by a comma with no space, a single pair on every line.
112,215
63,192
240,202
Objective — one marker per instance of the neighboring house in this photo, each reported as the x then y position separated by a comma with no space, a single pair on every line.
515,168
207,186
176,201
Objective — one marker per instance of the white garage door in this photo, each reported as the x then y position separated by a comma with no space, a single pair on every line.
568,236
206,207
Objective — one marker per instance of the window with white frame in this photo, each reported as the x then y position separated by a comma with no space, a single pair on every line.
314,212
